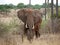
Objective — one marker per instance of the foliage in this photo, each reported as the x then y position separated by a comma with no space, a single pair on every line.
4,8
37,6
44,5
20,5
11,6
5,28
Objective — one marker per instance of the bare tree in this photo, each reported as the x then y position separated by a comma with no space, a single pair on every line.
48,8
57,8
52,15
29,3
47,1
45,9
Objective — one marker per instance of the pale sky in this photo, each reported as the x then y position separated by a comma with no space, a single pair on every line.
15,2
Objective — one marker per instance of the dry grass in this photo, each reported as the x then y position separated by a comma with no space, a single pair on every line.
49,39
14,37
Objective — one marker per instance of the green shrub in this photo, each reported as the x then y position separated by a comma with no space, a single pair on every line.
56,15
5,28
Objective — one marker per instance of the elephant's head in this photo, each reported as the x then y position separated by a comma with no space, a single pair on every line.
30,25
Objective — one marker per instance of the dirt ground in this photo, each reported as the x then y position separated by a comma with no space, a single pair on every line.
47,39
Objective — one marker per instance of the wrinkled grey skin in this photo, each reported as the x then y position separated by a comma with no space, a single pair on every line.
27,18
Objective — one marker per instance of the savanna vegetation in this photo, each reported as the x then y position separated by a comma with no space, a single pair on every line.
10,27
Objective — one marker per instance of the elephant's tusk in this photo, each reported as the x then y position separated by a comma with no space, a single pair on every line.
26,26
33,27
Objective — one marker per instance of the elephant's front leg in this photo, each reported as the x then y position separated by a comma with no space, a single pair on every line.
37,31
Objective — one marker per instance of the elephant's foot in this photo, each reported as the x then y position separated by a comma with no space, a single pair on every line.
37,34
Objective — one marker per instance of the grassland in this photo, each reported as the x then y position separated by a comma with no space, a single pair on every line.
11,28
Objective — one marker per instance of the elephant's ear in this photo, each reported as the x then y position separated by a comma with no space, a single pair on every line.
20,13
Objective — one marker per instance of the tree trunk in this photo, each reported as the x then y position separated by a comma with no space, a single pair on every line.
52,16
29,3
45,9
56,8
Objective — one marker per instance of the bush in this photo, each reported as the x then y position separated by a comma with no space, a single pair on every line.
56,15
4,29
9,27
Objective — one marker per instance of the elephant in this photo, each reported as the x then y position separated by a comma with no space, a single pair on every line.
32,21
26,15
